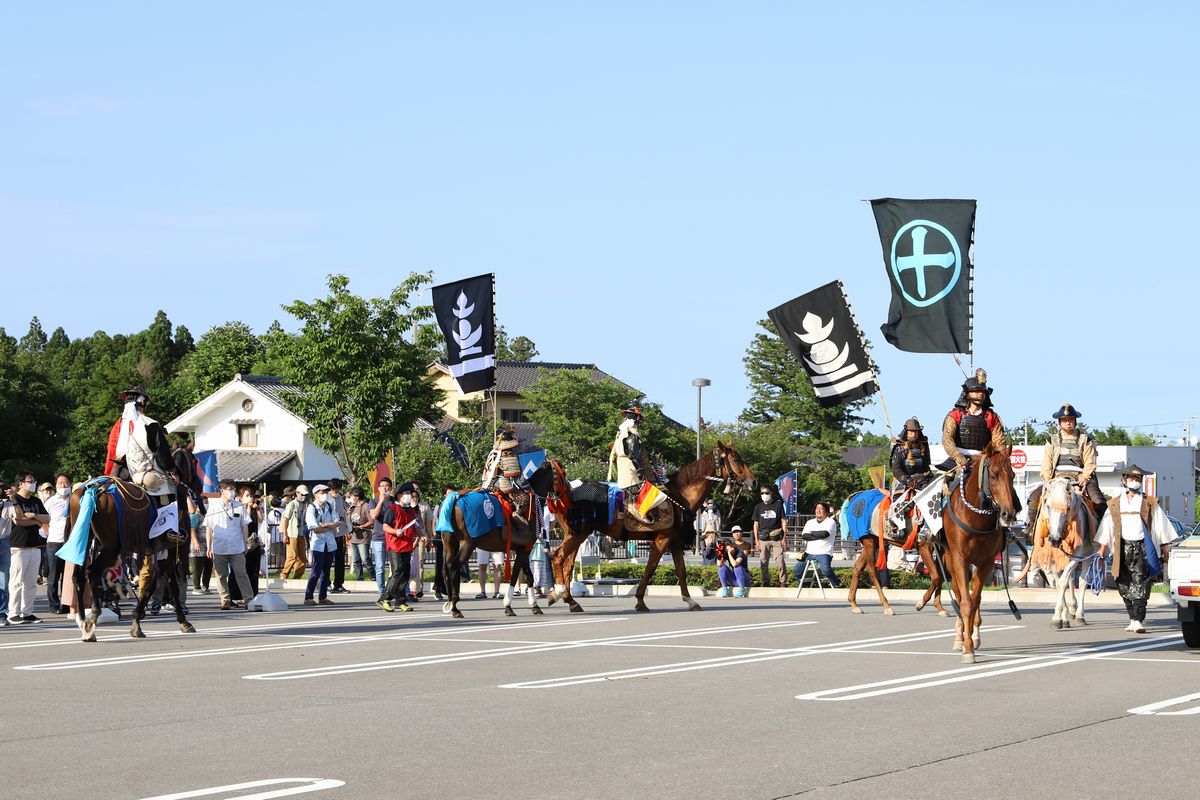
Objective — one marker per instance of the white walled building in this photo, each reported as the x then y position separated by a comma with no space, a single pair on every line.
255,437
1174,479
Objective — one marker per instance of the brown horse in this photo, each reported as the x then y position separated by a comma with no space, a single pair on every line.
868,561
687,490
517,537
974,532
113,534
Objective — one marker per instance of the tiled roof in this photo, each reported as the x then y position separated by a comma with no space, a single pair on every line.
250,466
272,386
513,376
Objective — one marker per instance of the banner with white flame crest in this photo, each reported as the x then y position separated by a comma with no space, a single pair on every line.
466,314
820,330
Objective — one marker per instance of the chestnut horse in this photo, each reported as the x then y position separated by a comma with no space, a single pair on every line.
868,561
687,490
515,536
973,527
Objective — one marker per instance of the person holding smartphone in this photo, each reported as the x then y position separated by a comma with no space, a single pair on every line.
227,523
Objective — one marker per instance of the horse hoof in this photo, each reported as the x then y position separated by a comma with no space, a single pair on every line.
576,608
537,610
920,606
641,606
1056,624
943,613
968,658
456,614
508,612
446,607
694,606
958,646
856,610
137,633
187,628
1066,623
1080,621
975,642
91,637
889,611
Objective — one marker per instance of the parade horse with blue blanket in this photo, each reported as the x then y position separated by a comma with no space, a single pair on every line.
866,515
487,520
588,509
111,518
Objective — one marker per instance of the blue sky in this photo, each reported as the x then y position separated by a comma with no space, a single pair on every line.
646,180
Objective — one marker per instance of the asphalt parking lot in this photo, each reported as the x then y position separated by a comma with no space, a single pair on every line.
749,699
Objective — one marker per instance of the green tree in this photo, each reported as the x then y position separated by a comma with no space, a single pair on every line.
578,418
31,416
520,348
360,385
34,341
1113,434
222,352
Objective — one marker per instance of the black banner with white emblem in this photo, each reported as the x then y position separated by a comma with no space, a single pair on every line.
820,330
466,314
927,253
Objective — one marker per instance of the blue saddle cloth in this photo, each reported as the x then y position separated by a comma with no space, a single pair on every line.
856,513
481,513
445,523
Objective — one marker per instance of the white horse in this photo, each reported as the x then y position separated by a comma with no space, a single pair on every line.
1061,543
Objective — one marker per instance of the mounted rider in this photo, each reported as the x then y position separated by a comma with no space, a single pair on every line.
972,424
502,469
1071,453
138,450
628,455
912,466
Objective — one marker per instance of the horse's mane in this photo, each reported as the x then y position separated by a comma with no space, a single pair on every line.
696,471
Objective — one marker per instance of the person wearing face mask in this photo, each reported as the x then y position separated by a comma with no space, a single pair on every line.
1135,529
58,505
226,524
28,517
770,535
401,534
322,521
708,526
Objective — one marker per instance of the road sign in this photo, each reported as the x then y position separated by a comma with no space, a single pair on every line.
1018,458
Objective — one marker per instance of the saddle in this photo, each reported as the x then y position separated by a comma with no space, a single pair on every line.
657,519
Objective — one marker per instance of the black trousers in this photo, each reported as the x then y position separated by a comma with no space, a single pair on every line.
397,586
439,560
201,572
54,575
339,563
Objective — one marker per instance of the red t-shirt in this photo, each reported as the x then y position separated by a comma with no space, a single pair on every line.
404,541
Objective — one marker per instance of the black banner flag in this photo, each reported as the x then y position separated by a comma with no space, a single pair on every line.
927,253
819,328
466,314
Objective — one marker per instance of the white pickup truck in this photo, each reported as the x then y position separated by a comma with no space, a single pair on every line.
1183,571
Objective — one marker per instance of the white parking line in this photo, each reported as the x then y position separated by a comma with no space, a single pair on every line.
1156,708
392,635
472,655
972,673
730,661
306,785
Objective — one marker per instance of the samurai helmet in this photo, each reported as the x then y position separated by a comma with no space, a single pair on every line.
633,412
134,392
507,439
1067,410
913,424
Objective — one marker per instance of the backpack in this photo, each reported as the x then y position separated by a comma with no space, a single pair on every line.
294,514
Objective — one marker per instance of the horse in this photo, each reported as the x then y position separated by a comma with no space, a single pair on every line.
112,534
1062,539
973,530
687,490
871,559
514,533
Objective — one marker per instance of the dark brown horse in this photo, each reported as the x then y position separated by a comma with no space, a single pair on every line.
974,532
687,489
113,534
515,537
869,557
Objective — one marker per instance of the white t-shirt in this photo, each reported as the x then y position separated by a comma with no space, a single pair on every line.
57,507
820,547
226,531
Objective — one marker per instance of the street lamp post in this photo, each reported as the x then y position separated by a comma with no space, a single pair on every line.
699,383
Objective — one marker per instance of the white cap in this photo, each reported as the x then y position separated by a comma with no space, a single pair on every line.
320,487
737,528
302,489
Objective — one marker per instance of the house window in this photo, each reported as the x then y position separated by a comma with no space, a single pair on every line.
247,435
514,415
